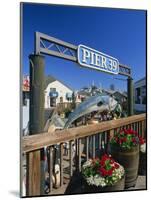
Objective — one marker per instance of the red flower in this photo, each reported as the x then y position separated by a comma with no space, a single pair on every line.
126,131
110,172
112,161
121,131
134,140
103,159
105,172
116,165
141,140
130,131
120,141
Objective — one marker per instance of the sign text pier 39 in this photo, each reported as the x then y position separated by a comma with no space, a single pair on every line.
94,59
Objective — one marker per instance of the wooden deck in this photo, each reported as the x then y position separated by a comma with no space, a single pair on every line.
75,186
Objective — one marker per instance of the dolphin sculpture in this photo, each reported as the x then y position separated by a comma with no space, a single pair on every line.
99,103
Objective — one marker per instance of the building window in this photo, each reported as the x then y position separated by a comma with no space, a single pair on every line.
52,89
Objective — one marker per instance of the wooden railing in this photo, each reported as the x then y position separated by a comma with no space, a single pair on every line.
83,142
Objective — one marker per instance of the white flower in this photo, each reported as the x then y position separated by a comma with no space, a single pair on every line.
143,148
87,164
96,180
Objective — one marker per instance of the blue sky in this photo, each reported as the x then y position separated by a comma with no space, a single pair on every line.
117,32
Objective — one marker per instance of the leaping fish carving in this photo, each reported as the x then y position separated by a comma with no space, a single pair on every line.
95,103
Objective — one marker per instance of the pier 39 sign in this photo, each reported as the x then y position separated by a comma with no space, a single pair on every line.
93,59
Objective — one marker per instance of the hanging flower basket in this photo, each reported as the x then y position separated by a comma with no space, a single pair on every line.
125,149
103,174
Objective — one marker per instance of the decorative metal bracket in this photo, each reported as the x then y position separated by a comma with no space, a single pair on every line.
48,45
52,46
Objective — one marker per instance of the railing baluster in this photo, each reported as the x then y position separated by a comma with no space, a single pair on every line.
130,126
50,168
76,154
70,158
137,125
87,148
33,173
103,141
61,164
79,155
93,146
42,172
100,139
140,128
107,136
143,129
111,134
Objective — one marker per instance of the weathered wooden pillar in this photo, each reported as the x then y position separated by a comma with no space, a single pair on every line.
35,173
130,96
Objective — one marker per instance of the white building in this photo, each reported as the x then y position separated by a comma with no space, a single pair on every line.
140,94
56,92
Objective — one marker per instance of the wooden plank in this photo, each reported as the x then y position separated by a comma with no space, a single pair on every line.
87,148
79,155
130,126
143,127
93,146
111,133
145,131
76,154
140,128
133,126
33,173
61,164
137,127
107,139
70,158
33,142
42,172
100,141
50,168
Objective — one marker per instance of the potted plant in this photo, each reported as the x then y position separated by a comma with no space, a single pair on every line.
102,175
124,148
